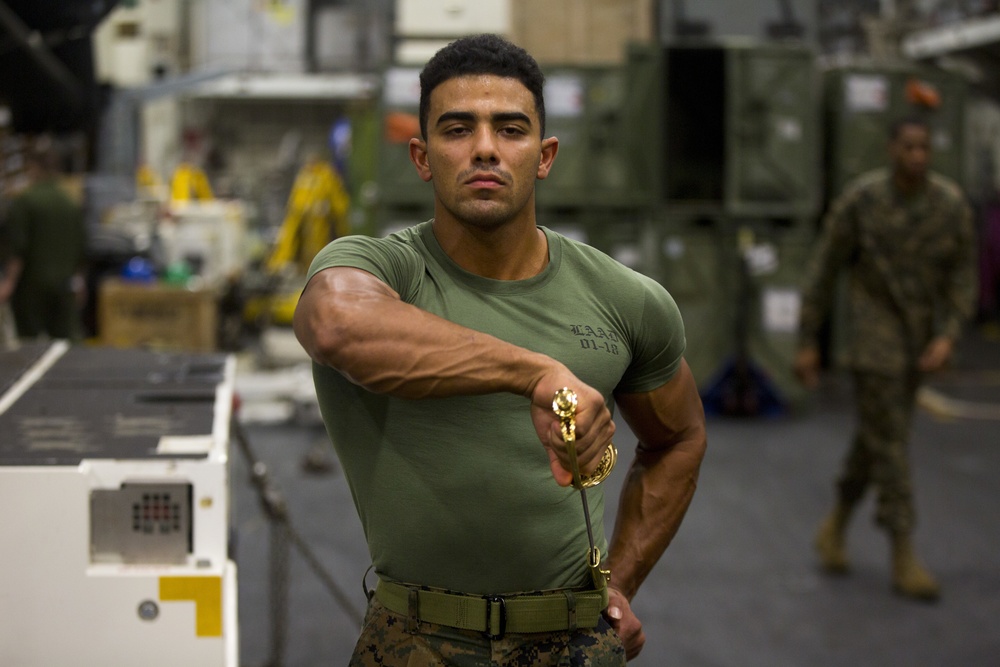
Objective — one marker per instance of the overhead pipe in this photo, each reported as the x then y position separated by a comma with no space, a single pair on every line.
39,51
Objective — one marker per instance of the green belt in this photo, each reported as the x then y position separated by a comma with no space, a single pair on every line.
495,615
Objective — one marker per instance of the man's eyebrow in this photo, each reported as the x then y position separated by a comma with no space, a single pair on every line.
505,116
498,117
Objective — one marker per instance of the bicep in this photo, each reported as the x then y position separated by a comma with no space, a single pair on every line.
345,280
668,415
330,298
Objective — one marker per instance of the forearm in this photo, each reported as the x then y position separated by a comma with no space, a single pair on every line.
960,294
390,347
817,293
9,277
657,492
835,244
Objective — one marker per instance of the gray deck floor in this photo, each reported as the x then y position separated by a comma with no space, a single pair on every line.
740,585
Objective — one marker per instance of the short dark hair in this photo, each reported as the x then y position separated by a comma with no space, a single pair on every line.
481,54
897,125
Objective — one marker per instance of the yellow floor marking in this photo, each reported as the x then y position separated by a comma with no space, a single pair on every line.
205,592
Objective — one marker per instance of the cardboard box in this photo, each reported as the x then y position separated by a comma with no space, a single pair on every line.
580,32
156,316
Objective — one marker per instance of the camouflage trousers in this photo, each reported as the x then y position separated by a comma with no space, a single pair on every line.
878,455
385,642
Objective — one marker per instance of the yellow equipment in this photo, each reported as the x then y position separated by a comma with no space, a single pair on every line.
189,182
148,182
316,214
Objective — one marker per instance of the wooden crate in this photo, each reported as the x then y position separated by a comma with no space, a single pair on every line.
580,32
156,316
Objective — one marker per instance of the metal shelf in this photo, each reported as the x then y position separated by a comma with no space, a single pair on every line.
978,34
285,86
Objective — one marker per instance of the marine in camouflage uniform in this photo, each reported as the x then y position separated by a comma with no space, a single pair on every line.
905,236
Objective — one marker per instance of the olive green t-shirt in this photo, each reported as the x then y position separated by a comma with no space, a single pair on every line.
456,492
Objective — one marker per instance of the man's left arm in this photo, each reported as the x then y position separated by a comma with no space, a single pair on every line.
959,297
669,423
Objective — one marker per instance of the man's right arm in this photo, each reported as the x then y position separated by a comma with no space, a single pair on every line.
351,321
835,244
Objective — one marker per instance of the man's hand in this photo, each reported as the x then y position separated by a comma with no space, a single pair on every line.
625,623
806,366
936,354
594,426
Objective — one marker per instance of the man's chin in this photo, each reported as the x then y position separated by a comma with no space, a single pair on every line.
484,215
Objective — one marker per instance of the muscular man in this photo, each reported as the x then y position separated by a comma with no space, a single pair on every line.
438,351
906,237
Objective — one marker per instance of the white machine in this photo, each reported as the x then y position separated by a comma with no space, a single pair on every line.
114,474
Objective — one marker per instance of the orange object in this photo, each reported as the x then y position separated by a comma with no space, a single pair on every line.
922,94
401,127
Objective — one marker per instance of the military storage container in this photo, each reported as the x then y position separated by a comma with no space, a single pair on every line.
737,284
724,129
583,110
726,148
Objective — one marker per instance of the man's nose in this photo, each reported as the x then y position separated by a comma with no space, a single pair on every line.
485,146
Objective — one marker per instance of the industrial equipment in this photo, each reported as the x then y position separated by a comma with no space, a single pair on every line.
114,469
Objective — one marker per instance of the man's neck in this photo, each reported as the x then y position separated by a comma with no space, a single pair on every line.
516,250
909,185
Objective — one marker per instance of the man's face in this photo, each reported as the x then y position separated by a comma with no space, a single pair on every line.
483,149
911,151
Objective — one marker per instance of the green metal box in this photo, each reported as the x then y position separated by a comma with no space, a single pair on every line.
583,108
737,285
728,129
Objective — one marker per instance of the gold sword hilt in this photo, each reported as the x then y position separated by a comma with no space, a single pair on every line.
564,405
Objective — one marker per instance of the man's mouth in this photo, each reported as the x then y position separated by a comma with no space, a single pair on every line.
484,180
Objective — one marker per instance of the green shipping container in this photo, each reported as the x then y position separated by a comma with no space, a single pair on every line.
583,108
737,287
725,129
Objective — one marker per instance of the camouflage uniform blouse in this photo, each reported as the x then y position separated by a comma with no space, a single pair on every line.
911,270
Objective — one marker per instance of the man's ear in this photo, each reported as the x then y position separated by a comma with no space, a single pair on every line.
550,147
418,156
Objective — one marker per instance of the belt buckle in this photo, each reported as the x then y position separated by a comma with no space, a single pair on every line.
502,607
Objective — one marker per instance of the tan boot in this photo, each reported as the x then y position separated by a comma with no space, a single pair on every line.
909,576
830,542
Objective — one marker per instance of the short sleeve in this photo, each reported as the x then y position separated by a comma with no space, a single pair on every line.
391,260
658,342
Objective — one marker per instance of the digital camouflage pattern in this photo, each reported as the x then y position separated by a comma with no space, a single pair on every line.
386,642
911,277
911,270
878,454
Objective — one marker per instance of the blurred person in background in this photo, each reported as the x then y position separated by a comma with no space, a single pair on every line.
46,246
904,235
